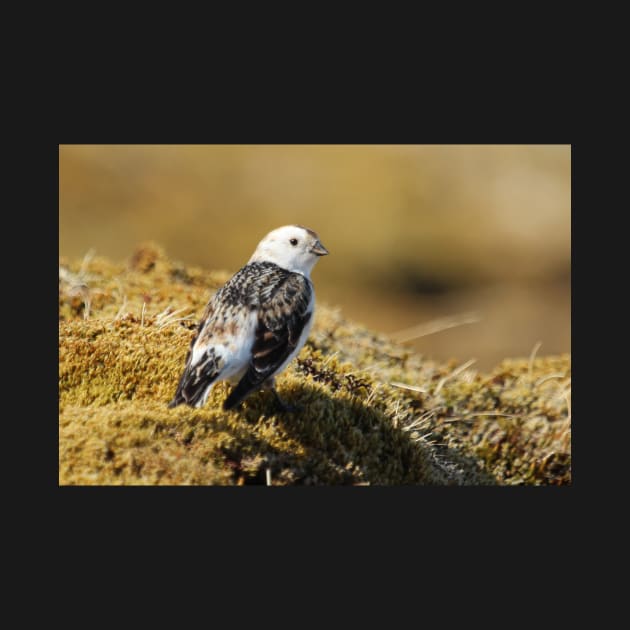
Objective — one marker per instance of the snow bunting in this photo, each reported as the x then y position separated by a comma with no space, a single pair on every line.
256,323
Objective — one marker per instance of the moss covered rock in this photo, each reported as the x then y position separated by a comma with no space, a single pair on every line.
374,413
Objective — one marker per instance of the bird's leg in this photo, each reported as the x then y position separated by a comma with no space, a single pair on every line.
282,405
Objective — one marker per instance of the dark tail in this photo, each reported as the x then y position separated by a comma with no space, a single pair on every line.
191,388
178,400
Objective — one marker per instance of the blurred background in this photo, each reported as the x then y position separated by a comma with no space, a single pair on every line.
462,251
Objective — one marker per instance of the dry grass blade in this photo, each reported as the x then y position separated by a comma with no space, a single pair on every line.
470,416
121,309
77,286
421,422
87,305
544,379
166,317
65,275
435,326
395,415
496,413
372,394
86,261
329,358
532,356
566,390
178,319
453,374
412,388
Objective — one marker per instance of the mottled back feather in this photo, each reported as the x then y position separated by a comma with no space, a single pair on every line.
282,318
281,299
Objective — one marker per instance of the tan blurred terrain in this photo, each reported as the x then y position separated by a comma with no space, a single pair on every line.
417,234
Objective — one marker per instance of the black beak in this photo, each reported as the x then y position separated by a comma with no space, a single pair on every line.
318,249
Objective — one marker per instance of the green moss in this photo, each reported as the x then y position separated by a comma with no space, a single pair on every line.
124,331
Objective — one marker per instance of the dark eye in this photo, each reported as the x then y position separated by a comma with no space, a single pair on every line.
293,242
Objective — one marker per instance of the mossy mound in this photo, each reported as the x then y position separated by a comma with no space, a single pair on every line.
124,331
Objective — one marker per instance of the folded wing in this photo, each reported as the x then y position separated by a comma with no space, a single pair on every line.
282,316
201,369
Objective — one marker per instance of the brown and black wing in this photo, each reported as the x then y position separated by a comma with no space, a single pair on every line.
283,314
196,378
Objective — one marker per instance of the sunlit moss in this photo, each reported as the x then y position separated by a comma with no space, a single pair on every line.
123,335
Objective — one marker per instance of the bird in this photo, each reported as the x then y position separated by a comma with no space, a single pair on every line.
256,323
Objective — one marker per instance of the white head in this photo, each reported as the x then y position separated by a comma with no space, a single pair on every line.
291,247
